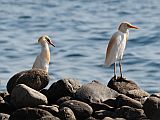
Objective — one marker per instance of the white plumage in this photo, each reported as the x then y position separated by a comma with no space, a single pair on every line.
116,46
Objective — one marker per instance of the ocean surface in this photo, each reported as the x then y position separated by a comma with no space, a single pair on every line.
80,30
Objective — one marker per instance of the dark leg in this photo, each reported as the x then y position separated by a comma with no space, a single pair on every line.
120,66
115,70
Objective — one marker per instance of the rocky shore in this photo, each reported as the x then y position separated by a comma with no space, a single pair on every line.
27,99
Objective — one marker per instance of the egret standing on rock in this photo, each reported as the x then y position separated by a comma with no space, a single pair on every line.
43,59
116,46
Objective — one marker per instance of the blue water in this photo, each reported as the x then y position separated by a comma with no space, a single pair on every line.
80,30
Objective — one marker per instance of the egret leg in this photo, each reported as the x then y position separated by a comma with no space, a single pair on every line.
115,70
120,67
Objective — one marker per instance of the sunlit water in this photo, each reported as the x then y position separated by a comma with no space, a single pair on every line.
80,30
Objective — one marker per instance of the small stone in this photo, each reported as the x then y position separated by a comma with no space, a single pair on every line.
4,116
151,106
30,114
81,110
66,113
91,118
123,100
109,118
61,88
36,79
95,92
24,96
3,94
104,113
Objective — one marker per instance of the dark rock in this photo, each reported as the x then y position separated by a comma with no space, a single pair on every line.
66,113
156,115
122,85
5,107
36,79
49,118
101,106
24,96
61,88
111,102
30,114
130,113
151,106
104,113
95,92
4,116
63,99
156,95
53,109
123,100
81,110
127,87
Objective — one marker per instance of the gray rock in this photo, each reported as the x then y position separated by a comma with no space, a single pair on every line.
4,116
151,106
30,114
61,88
66,113
101,106
24,96
49,118
156,95
95,92
123,100
81,110
130,113
3,94
53,109
36,79
91,118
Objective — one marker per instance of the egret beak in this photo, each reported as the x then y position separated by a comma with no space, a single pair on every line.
51,43
131,26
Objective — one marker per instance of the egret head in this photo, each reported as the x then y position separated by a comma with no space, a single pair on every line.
126,25
45,39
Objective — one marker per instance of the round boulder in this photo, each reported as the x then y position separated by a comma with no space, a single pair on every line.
81,110
61,88
30,114
95,92
24,96
36,79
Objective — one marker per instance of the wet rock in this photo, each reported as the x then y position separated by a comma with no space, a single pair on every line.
111,102
81,110
30,114
4,116
24,96
122,85
53,109
123,100
151,106
63,99
66,113
61,88
36,79
95,92
130,113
